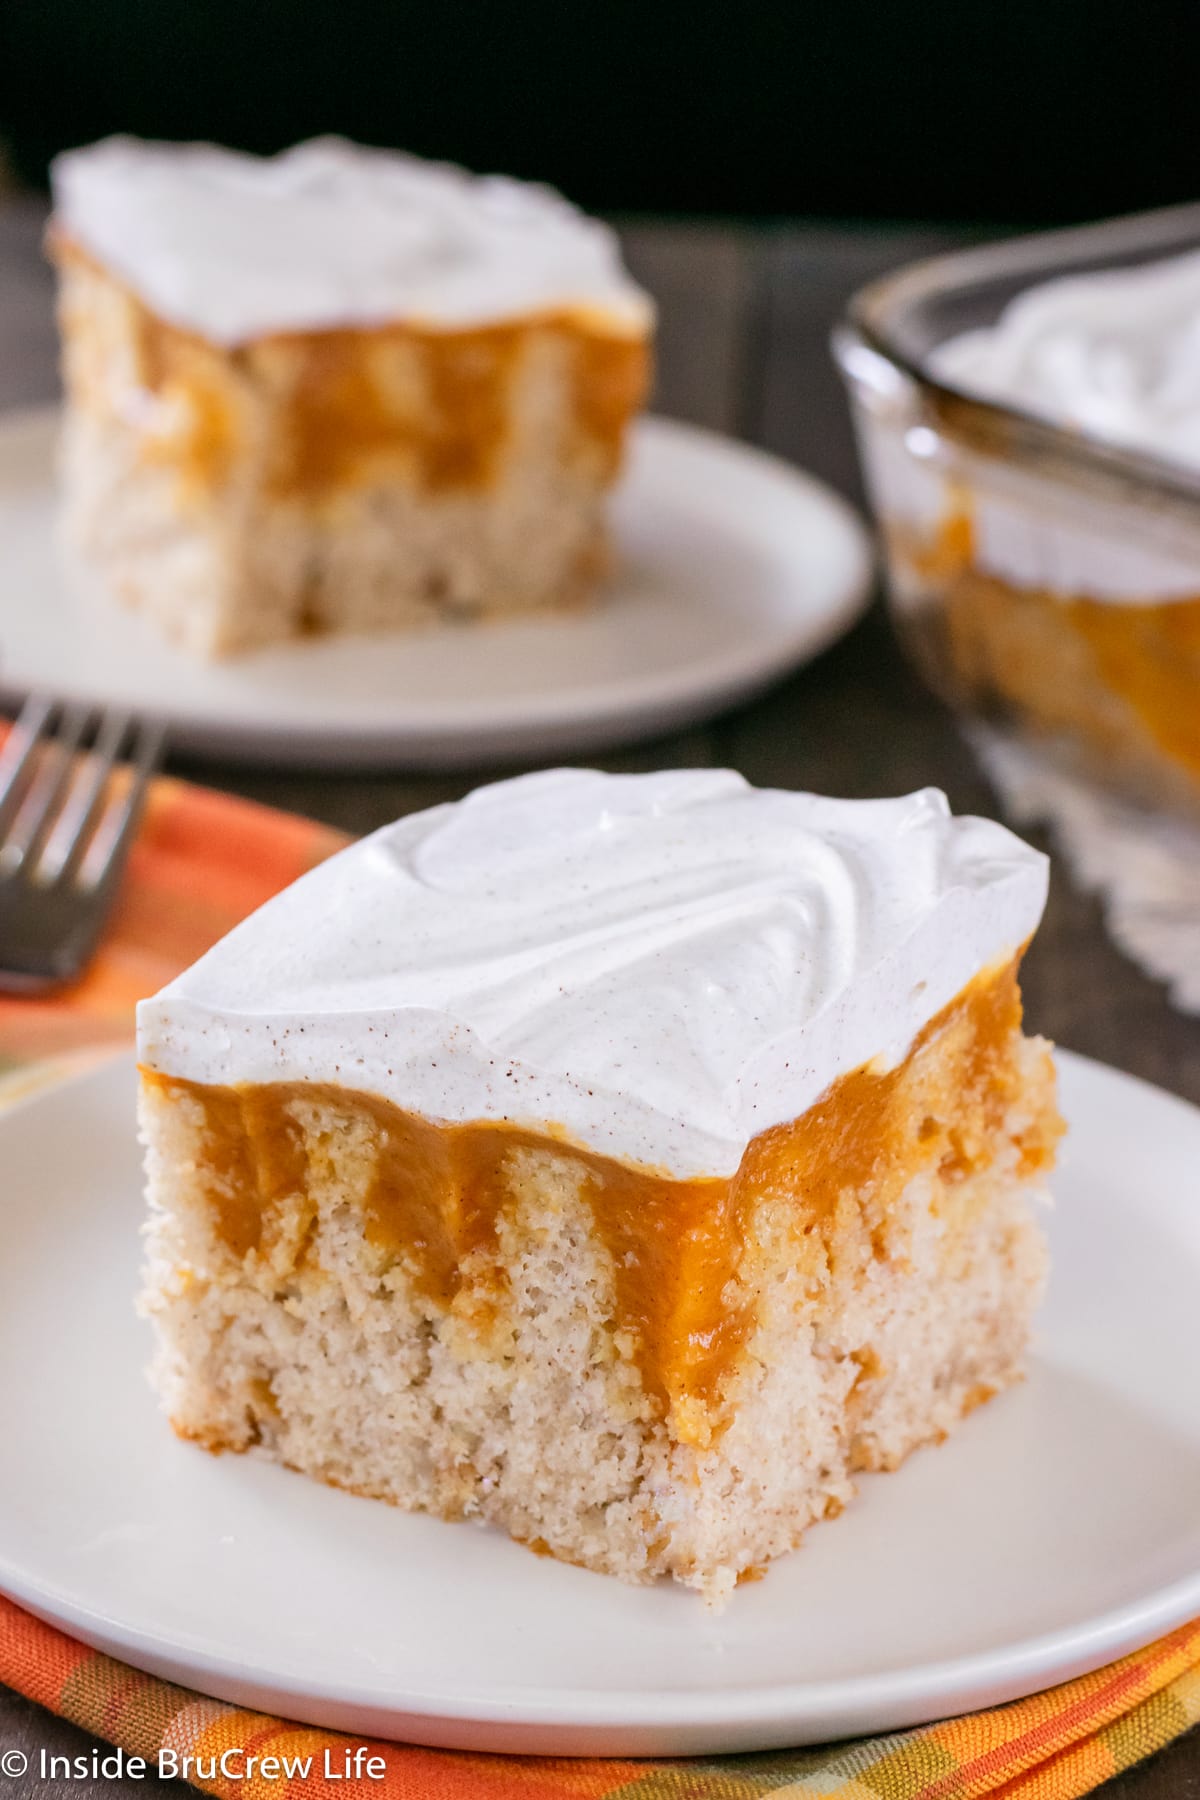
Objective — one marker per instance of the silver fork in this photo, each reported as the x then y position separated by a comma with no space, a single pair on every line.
67,820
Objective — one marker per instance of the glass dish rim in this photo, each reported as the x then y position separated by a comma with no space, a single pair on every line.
868,327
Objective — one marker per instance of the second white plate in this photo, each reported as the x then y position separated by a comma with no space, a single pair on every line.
732,568
1057,1529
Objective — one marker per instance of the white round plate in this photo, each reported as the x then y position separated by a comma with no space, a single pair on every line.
732,568
1056,1530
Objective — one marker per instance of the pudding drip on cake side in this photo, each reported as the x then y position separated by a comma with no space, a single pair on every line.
344,406
678,1248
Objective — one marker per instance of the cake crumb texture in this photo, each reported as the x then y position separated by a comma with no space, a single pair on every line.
870,1281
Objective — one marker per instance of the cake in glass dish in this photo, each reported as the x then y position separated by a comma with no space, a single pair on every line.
626,1161
337,389
1029,416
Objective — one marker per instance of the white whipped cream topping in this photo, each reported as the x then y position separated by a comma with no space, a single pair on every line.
1026,530
662,965
237,247
1098,552
1114,354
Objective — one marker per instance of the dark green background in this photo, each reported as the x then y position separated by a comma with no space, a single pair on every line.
1030,110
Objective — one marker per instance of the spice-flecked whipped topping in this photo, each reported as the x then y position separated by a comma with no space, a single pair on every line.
1114,354
328,234
661,966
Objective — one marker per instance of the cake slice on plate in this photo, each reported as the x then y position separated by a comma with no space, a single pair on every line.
626,1160
336,390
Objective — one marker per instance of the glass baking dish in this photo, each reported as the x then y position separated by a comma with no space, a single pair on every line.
1042,580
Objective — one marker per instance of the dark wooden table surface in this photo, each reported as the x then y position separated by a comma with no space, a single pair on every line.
745,319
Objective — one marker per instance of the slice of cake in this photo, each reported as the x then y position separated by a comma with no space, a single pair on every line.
336,390
626,1160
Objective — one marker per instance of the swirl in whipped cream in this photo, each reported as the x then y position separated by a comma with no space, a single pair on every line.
1114,354
662,966
331,234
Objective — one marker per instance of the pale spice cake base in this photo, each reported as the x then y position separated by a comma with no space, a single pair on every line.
865,1280
342,480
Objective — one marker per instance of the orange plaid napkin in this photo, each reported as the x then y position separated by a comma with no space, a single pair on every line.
203,861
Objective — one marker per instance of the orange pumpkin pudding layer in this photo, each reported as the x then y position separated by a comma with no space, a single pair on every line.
608,1330
1111,683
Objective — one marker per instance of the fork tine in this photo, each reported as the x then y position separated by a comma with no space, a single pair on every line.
55,772
64,848
17,757
110,845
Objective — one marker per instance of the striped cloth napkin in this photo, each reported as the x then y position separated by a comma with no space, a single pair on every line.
203,861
